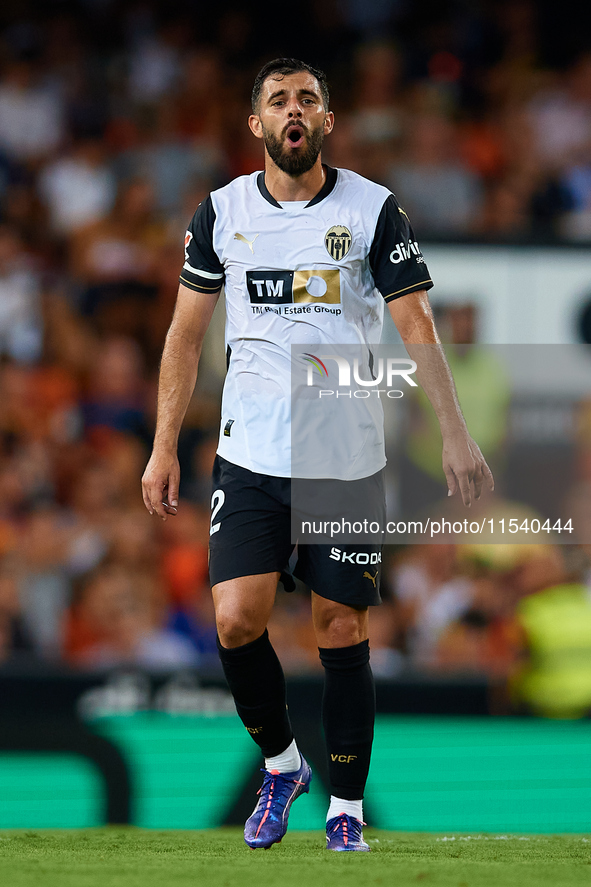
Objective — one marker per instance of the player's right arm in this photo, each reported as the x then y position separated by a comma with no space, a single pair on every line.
202,277
178,374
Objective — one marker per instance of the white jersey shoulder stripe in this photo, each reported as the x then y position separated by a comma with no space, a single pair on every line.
198,271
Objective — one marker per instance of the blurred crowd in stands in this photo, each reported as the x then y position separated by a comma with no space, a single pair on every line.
116,118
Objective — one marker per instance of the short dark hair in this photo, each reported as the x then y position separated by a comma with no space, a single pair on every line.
284,67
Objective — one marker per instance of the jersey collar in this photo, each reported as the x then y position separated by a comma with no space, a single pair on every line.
329,183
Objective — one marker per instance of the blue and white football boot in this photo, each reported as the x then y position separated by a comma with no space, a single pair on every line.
268,822
345,832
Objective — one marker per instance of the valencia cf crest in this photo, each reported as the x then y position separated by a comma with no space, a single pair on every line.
338,242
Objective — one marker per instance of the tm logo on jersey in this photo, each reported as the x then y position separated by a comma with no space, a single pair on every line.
286,288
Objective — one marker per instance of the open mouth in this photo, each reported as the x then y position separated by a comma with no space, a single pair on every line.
295,136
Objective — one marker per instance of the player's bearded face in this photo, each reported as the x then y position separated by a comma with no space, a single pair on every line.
294,161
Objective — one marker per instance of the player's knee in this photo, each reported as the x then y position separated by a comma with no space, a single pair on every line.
236,628
342,629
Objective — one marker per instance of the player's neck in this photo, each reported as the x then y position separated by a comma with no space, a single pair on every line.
283,187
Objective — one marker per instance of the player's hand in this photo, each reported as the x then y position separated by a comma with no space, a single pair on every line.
465,467
160,484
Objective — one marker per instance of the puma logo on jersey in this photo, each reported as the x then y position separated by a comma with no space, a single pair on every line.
367,575
249,243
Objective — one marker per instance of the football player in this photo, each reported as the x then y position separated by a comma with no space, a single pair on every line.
305,254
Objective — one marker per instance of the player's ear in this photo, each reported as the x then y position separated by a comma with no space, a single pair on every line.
256,127
328,122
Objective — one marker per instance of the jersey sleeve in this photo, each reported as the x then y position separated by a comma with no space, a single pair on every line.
395,258
202,271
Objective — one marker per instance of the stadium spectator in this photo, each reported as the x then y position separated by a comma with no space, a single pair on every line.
199,104
120,247
441,195
378,115
169,159
135,545
431,593
561,115
93,498
154,60
14,640
118,620
79,187
31,114
113,260
576,180
44,584
183,568
482,640
21,320
506,212
116,390
184,560
554,617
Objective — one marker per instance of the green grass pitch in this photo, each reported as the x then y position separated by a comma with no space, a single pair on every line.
129,857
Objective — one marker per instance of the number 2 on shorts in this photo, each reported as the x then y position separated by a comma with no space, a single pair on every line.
217,500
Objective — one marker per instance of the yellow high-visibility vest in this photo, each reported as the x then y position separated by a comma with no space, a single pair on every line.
556,682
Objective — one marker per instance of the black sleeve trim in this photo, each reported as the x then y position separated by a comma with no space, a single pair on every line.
423,285
198,288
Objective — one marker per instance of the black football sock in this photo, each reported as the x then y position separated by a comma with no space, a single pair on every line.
257,683
348,714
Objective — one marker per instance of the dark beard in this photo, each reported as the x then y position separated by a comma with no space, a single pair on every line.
295,162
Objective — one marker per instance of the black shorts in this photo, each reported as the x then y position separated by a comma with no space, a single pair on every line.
250,534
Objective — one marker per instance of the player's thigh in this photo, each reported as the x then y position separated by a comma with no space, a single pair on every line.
243,607
250,528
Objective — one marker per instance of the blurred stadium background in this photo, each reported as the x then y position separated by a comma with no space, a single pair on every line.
116,118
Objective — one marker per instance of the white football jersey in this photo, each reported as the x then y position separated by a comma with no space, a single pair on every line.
303,273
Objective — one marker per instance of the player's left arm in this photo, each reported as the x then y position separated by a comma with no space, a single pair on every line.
401,275
463,463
